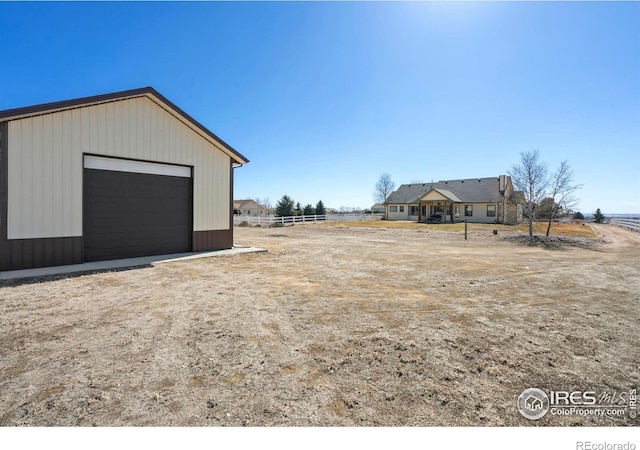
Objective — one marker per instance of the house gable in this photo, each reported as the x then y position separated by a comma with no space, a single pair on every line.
440,194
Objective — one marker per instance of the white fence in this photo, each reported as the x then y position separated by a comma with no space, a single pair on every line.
632,224
269,221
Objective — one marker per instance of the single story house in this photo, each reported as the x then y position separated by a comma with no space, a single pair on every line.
249,207
111,176
378,208
478,200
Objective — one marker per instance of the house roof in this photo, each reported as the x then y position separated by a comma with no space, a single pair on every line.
149,92
238,204
472,190
244,202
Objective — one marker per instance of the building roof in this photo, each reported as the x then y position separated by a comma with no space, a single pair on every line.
472,190
149,92
240,203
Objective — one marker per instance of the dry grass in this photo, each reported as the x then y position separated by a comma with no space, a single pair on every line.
333,326
557,229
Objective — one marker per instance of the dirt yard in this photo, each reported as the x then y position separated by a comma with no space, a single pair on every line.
334,325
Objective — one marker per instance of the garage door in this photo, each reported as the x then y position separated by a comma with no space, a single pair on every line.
134,208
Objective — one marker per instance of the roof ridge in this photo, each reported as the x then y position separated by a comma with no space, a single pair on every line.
497,177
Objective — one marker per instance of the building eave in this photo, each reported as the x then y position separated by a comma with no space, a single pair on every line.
237,158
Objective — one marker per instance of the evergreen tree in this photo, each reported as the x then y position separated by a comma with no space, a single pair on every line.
309,210
298,211
578,216
320,209
284,207
598,217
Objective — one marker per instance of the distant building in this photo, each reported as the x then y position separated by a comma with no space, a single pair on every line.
250,207
477,200
378,208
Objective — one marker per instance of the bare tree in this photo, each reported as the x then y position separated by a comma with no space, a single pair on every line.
561,189
384,187
530,177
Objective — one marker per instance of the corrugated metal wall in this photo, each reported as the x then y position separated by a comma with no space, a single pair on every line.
45,163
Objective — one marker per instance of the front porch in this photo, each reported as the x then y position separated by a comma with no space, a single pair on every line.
439,206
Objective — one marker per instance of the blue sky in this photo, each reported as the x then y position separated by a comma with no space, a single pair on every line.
324,97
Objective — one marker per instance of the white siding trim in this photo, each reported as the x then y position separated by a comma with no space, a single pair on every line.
125,165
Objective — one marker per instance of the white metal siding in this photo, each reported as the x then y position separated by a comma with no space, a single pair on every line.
45,163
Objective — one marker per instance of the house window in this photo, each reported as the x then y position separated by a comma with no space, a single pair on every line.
402,209
393,209
413,210
468,210
491,210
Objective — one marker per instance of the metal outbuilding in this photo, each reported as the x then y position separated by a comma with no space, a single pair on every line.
111,176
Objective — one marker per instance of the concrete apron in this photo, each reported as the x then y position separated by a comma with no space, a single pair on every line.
121,263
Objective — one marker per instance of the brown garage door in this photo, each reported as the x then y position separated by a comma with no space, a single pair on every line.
128,214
